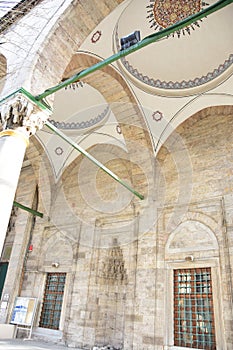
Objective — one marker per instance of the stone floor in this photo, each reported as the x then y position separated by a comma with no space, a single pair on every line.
19,344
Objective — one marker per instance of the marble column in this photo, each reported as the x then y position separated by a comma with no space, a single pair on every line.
19,119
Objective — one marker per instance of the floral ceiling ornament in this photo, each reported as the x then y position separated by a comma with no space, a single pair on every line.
71,125
157,116
164,13
59,151
96,36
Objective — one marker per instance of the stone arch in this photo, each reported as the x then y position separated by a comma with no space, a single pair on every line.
190,236
203,145
93,195
211,224
57,249
69,32
195,236
3,71
209,110
202,104
42,172
124,105
115,90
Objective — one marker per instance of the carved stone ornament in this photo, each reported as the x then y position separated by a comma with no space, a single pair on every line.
113,267
20,112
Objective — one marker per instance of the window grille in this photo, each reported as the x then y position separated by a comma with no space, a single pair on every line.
52,303
193,309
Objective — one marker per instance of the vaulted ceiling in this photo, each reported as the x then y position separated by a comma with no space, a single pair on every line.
170,79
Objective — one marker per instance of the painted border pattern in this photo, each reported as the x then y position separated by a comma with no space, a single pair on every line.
184,84
175,85
81,125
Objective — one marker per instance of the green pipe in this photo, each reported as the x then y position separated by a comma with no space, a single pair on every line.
91,158
144,42
34,212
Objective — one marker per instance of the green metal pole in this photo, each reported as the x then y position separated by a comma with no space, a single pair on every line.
144,42
91,158
34,212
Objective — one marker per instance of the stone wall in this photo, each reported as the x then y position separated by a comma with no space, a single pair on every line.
195,219
119,274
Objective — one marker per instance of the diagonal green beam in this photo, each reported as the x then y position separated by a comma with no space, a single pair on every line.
144,42
34,212
91,158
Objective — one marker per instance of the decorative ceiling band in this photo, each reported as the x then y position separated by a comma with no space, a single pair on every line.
81,125
174,85
184,84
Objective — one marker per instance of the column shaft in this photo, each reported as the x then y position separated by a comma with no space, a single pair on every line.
12,149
